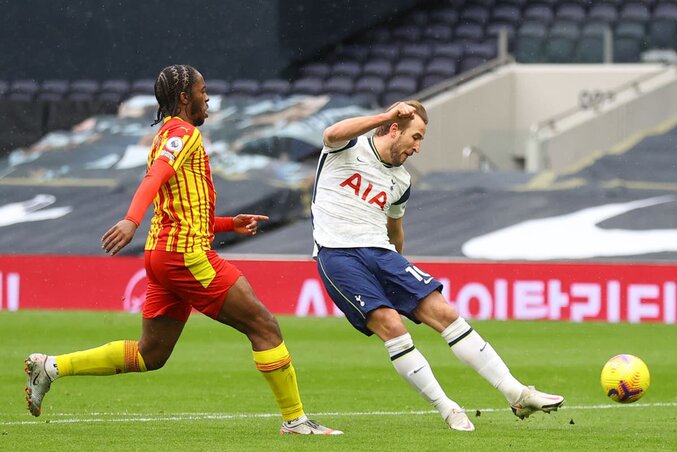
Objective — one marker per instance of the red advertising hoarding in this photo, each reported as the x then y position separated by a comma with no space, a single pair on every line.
535,291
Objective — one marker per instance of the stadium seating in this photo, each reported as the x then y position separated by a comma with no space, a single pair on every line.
436,40
275,87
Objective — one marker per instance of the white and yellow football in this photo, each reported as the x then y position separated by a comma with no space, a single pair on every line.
625,378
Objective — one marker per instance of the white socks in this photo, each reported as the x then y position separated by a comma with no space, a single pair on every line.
469,347
414,368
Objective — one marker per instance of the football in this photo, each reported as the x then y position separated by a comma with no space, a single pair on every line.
625,378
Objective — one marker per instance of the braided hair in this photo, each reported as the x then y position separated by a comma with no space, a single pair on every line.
172,81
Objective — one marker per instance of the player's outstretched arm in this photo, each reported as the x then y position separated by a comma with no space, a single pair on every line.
122,233
343,131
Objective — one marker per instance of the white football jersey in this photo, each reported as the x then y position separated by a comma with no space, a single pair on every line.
355,192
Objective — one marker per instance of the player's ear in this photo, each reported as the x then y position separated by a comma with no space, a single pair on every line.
394,128
184,98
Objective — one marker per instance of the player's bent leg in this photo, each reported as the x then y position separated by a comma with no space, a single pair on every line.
159,335
244,311
477,353
412,366
109,359
151,352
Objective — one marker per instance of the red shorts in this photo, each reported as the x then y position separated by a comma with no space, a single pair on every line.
179,282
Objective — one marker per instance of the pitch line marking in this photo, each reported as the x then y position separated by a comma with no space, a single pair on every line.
144,417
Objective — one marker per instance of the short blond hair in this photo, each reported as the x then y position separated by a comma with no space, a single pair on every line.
420,111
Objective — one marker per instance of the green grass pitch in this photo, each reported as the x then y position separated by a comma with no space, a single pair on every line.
209,396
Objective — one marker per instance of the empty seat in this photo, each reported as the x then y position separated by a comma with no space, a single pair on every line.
446,16
275,87
629,29
561,42
635,11
318,70
379,68
46,96
493,30
507,13
81,96
54,86
453,51
338,84
110,97
217,86
115,86
538,12
572,11
18,96
662,29
402,84
469,32
346,68
409,66
397,89
385,51
470,62
604,12
590,45
245,87
628,42
437,33
307,85
474,13
86,86
144,86
406,33
24,86
485,50
529,42
420,51
444,67
369,85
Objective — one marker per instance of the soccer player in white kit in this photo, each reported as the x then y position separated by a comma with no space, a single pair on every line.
361,190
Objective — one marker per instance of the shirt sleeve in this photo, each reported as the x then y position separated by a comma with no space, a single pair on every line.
346,145
179,145
398,207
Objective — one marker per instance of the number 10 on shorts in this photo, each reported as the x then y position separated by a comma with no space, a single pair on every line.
419,274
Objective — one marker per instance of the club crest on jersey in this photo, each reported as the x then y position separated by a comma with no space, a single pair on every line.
368,195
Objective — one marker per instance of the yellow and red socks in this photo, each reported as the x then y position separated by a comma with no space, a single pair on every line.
109,359
276,367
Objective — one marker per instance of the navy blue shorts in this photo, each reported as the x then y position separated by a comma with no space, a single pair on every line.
360,280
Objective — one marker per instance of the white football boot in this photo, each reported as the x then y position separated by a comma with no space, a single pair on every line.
531,401
38,382
458,420
305,426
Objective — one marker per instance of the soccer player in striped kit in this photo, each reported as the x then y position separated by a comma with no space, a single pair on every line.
361,190
183,272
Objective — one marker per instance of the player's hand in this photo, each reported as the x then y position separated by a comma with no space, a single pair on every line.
403,111
118,236
247,224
